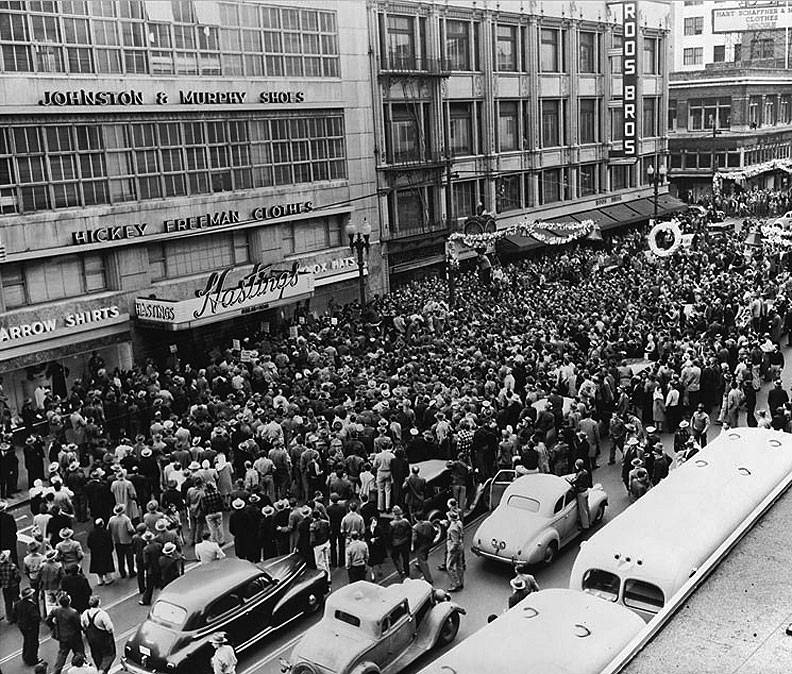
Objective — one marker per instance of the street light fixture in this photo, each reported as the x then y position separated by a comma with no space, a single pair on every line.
657,178
359,235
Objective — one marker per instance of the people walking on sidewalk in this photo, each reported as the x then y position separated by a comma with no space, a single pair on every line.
66,628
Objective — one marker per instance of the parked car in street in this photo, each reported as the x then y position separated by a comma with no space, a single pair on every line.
533,518
246,601
370,629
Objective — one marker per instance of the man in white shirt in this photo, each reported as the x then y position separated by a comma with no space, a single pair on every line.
98,630
208,550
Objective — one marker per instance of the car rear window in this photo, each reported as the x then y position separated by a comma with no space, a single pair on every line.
602,583
523,503
347,618
643,596
169,614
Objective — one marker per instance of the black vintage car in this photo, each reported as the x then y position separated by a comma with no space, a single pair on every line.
246,601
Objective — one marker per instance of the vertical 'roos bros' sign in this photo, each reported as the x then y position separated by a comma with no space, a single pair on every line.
630,77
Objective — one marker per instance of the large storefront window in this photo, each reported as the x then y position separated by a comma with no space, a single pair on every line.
158,38
305,236
64,164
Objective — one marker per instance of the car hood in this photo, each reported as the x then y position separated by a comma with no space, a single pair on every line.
283,567
514,527
328,648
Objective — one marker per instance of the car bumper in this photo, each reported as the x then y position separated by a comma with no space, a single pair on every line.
134,668
535,558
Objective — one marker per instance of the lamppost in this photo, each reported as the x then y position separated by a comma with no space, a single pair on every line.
657,178
359,235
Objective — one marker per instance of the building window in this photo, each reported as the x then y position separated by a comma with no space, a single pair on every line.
619,177
589,52
762,48
461,128
401,42
588,180
737,53
672,115
769,115
166,38
306,236
12,277
552,187
62,165
458,44
755,111
506,48
616,62
704,113
405,140
552,122
785,109
694,25
589,120
616,124
719,53
508,193
651,56
467,194
508,131
412,210
693,56
198,254
650,105
550,50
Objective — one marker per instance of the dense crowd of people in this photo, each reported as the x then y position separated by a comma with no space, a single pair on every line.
545,364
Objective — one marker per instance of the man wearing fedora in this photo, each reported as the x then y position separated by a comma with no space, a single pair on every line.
121,529
10,580
224,660
169,566
64,622
28,617
8,532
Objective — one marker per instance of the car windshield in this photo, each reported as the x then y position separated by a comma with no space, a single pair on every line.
523,503
168,614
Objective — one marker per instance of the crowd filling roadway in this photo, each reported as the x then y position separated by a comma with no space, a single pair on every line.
315,445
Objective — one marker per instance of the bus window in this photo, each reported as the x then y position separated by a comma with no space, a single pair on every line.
643,596
602,583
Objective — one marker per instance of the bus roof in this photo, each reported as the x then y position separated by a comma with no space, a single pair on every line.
554,631
674,527
736,621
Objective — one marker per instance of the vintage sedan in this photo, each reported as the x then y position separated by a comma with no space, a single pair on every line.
246,601
537,516
370,629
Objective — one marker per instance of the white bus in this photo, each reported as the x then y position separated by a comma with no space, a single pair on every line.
549,631
645,554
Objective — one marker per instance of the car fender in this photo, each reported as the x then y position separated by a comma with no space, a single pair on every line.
366,668
433,623
596,498
542,540
290,604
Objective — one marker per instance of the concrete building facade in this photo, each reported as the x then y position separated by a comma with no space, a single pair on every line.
173,175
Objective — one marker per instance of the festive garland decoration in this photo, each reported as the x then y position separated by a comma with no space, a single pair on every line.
755,170
560,233
671,226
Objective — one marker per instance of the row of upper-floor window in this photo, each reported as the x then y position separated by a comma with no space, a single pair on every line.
404,45
707,159
177,38
409,137
759,49
75,163
47,280
412,210
716,113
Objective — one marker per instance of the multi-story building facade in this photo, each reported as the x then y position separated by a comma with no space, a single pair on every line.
165,166
730,97
519,105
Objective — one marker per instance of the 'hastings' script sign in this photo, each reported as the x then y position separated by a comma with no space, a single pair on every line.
219,299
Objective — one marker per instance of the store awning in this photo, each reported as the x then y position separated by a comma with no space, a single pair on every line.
605,217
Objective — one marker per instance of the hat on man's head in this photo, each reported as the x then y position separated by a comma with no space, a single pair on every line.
517,583
161,524
168,548
66,532
237,504
684,423
119,509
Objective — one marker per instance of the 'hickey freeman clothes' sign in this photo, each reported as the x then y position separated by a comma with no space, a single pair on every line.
630,77
220,298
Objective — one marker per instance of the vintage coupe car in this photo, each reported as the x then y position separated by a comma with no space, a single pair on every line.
246,601
535,517
370,629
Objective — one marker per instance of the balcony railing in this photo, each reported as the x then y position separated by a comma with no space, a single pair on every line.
413,158
405,65
415,229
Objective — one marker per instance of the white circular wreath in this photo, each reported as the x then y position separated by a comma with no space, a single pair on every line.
660,228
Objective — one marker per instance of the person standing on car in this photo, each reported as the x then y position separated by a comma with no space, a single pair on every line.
414,492
455,551
423,537
356,557
99,633
382,464
459,479
581,483
224,660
